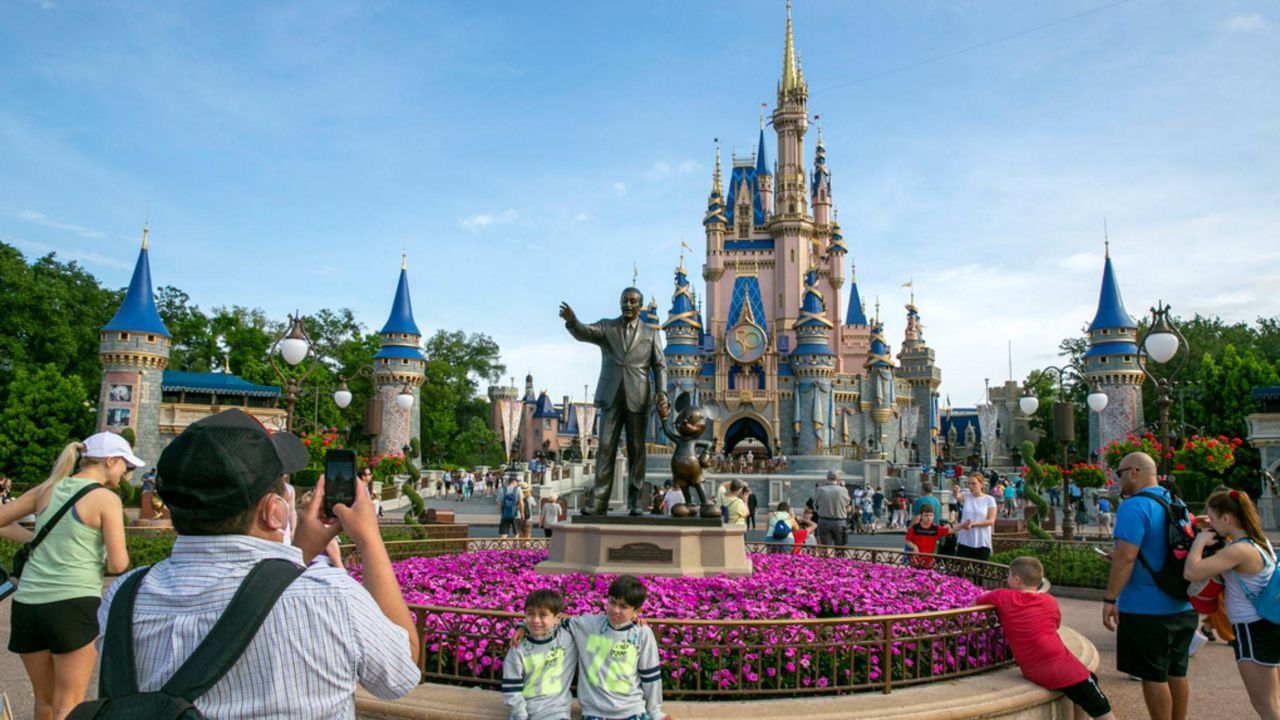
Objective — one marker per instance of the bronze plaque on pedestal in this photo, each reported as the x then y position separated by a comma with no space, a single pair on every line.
641,552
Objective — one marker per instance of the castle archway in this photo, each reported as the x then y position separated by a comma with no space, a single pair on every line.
743,428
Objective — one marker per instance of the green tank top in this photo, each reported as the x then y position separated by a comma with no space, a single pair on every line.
69,562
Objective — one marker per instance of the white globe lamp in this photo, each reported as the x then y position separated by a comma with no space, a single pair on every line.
1029,404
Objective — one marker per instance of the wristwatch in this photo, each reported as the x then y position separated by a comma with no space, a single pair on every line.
1108,601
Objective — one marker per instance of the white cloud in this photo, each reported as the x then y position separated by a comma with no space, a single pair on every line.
687,166
663,169
1081,262
40,218
580,217
619,189
476,223
89,257
1252,22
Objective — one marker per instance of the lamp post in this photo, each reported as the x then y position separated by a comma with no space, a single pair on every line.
294,346
342,396
1161,343
1064,429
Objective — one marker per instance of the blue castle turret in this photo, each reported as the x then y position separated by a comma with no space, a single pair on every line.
398,365
857,314
134,350
683,330
1111,364
813,363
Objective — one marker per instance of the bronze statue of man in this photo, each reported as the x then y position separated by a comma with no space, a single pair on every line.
630,351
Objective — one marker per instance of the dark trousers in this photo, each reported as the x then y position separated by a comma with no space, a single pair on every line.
973,553
613,419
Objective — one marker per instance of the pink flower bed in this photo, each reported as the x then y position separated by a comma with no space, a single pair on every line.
701,658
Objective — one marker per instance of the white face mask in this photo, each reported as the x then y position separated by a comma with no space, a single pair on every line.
287,530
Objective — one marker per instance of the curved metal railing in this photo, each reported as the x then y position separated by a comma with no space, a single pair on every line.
719,659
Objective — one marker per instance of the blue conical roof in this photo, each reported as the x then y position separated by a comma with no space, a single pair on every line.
878,355
1111,313
138,311
812,310
401,319
855,315
649,314
762,163
682,311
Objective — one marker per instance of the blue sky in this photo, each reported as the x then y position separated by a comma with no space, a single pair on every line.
528,153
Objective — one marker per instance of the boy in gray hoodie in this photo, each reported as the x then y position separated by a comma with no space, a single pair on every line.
540,664
619,675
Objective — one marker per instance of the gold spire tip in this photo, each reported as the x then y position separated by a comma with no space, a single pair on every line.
144,236
404,261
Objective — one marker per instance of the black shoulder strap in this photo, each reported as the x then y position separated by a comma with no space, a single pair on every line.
1168,518
231,635
48,527
118,675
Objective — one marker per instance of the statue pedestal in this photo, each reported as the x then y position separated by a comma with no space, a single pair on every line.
686,547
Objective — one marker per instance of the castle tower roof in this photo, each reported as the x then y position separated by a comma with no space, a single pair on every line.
792,80
138,311
401,319
813,311
649,314
1111,313
683,309
856,315
878,355
762,164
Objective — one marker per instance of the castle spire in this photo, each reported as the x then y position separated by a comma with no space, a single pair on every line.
762,165
401,319
1111,313
857,314
716,189
138,311
790,73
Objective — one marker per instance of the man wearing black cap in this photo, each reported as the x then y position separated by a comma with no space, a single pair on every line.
223,480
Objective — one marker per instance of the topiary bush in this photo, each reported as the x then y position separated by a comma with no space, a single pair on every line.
1035,472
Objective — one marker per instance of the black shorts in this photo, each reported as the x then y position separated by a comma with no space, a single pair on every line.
508,525
59,627
1257,642
1154,647
1089,697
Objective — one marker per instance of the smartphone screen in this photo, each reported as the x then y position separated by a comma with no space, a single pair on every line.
339,479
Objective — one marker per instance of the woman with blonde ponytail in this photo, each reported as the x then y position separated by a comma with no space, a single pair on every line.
54,613
1246,565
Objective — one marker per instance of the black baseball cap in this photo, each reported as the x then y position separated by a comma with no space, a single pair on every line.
224,464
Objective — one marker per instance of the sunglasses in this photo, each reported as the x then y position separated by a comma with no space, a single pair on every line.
1121,471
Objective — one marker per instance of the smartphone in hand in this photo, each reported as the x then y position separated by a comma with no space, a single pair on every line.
339,479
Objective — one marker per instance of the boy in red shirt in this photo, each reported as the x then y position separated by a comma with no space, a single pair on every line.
1030,618
923,537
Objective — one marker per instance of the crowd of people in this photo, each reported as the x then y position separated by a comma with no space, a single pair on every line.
248,547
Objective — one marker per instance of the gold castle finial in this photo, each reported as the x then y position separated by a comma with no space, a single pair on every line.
790,77
144,236
404,261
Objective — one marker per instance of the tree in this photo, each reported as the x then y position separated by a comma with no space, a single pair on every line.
453,412
45,410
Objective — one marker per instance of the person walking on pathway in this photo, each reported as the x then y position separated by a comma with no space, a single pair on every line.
1246,566
1153,629
752,506
54,613
552,514
977,518
780,529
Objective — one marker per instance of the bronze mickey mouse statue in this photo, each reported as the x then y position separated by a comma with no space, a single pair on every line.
691,455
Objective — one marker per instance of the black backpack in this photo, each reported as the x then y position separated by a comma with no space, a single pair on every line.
1180,532
118,694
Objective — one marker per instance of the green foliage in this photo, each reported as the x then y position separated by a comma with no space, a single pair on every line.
1195,486
306,478
1147,443
453,411
130,494
44,410
1064,564
145,547
129,436
416,505
1212,456
415,448
1033,476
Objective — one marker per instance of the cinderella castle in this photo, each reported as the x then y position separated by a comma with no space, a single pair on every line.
773,348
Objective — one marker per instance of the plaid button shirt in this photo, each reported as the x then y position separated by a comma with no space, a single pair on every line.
323,636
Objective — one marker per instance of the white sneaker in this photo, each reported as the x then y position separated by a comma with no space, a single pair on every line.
1197,641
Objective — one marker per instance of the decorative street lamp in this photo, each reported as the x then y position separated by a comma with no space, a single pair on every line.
294,346
1064,429
342,396
1162,341
404,400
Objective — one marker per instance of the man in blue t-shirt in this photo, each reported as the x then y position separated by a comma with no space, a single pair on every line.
1153,630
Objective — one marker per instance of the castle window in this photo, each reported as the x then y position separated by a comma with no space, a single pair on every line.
1128,358
793,254
124,337
404,361
151,338
1106,332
